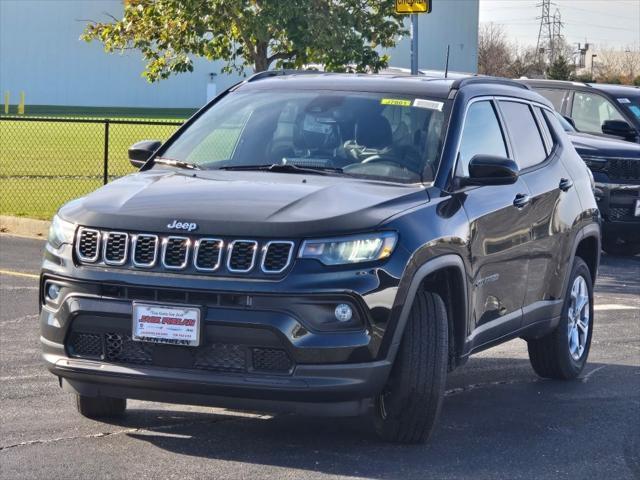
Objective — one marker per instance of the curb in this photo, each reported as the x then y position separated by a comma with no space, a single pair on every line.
27,227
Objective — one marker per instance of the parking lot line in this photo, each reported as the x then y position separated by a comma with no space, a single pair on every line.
614,306
18,274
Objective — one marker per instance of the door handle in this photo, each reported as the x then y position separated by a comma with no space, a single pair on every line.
521,200
565,184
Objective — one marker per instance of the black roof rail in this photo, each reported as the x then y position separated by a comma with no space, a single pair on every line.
279,73
495,80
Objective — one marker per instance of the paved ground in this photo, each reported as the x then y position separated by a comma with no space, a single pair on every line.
499,419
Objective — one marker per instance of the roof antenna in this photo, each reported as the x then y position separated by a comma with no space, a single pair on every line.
446,67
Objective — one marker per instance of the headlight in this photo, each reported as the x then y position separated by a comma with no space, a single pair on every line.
60,232
352,249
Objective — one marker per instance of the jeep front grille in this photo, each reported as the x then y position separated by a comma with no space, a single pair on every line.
623,169
175,252
277,256
145,250
190,254
242,255
88,245
116,247
208,254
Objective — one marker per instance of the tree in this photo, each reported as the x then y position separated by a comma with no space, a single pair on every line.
560,69
494,55
252,33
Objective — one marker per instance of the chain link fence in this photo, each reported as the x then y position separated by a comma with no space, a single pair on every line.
45,162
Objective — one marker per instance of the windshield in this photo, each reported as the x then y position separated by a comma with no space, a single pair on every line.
631,103
389,137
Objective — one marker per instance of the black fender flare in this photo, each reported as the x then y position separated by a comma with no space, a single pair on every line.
431,266
588,231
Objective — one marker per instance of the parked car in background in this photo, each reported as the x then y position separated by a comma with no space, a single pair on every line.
598,109
615,165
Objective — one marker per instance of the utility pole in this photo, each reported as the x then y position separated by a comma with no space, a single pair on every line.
544,33
556,35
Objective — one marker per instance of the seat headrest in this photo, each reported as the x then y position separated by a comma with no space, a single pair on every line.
373,132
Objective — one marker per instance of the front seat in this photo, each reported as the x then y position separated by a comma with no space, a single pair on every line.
373,136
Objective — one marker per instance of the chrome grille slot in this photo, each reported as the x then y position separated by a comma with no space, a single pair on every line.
208,254
242,256
145,250
88,245
116,247
276,256
175,252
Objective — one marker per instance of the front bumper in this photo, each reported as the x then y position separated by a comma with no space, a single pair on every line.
616,202
331,371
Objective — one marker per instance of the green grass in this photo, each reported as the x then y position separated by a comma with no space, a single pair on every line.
44,164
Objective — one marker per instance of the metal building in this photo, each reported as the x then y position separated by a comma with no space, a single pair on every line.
41,54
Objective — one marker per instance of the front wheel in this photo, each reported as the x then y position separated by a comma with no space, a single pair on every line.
409,405
562,354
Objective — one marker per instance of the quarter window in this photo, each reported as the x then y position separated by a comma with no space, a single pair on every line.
481,135
527,143
590,111
555,96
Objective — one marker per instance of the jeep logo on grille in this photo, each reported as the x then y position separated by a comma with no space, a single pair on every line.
188,226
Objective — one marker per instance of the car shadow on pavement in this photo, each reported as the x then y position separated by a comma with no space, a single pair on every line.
497,428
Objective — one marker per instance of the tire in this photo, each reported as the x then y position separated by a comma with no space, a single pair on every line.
556,355
408,407
100,407
621,248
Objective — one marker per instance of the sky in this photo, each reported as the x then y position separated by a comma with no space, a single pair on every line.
606,23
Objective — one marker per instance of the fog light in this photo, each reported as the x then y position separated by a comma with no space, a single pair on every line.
53,291
343,312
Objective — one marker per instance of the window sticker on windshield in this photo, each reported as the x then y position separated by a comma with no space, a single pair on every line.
395,101
624,100
430,104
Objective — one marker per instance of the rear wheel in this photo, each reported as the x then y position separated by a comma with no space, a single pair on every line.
562,354
100,407
408,407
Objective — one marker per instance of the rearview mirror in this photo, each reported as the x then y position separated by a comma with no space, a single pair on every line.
619,128
491,170
140,152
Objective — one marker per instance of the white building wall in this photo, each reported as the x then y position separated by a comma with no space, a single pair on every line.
42,55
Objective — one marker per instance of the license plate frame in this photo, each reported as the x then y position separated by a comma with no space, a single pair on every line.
179,325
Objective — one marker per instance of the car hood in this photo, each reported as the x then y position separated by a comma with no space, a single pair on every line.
606,147
263,204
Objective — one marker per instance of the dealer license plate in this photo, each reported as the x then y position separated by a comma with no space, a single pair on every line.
173,325
637,208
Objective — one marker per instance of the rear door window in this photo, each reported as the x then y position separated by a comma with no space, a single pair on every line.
481,135
526,139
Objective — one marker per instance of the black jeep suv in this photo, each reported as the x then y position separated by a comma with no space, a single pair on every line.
323,244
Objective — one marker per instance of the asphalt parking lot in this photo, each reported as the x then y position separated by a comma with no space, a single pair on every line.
499,420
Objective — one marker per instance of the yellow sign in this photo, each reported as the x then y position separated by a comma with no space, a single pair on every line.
395,101
413,6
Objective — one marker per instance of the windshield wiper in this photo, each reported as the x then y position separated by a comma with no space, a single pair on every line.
176,163
285,168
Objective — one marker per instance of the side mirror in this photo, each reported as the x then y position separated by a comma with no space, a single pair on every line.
619,128
140,152
570,121
491,170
